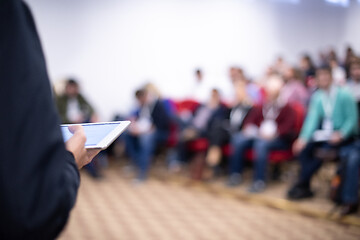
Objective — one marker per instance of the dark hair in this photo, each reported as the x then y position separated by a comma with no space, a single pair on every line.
72,81
140,93
307,58
198,71
324,68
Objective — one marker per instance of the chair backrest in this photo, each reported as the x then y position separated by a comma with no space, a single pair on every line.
300,112
187,105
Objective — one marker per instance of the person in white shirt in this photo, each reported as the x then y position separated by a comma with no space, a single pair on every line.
200,89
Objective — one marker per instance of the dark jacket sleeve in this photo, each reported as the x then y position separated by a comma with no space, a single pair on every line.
38,177
218,116
161,118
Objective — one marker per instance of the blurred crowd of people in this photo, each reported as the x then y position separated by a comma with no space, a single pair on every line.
311,110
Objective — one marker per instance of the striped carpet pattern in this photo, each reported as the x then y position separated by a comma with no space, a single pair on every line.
116,208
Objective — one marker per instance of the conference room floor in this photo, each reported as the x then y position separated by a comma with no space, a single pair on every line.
172,207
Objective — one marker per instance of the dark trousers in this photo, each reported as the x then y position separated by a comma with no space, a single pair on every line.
261,147
141,149
350,157
310,164
218,135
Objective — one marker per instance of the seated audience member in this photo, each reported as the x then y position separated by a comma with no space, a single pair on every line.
237,76
267,127
149,129
294,91
350,56
202,124
353,83
333,109
308,71
280,66
307,66
200,89
221,133
73,107
338,72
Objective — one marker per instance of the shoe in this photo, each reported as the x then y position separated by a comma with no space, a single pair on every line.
234,180
257,187
348,209
297,193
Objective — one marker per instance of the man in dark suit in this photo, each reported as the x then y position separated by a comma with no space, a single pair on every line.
39,178
150,128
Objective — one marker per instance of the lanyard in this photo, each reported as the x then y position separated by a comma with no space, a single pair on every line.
328,102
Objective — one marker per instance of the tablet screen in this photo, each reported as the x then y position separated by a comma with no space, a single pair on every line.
94,133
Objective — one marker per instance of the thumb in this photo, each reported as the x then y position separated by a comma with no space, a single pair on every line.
78,134
75,128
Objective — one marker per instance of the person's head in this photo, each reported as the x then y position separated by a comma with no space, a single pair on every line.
71,88
152,91
306,62
270,71
324,77
333,63
292,73
273,87
199,75
332,55
215,98
236,74
349,51
241,94
355,70
141,96
289,74
215,94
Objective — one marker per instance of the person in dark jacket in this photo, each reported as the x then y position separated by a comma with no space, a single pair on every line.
150,128
39,176
232,124
267,127
204,124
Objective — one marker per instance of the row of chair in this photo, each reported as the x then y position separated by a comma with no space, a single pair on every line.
199,146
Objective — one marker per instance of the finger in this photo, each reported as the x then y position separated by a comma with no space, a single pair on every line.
75,128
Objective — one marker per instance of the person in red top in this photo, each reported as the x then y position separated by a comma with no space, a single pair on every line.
268,127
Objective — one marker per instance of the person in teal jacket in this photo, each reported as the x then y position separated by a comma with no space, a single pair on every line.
331,124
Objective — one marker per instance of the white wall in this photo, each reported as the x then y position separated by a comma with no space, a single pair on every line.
113,46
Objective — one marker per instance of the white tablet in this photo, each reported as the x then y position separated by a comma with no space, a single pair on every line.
98,135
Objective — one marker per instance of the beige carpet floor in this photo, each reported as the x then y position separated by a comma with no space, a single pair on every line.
116,208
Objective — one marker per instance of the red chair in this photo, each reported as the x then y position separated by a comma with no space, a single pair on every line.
186,105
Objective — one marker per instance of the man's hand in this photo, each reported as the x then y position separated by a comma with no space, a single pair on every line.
336,138
76,145
267,137
298,146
